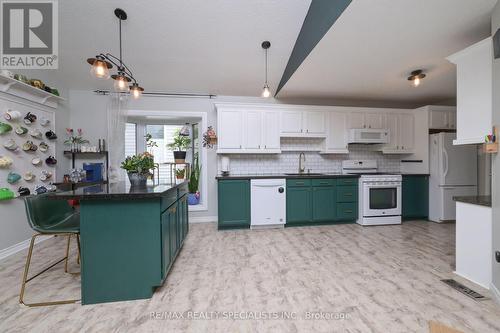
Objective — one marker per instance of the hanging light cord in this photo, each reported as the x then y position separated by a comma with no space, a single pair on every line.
266,67
120,33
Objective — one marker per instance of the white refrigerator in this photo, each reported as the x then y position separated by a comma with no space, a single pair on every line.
453,172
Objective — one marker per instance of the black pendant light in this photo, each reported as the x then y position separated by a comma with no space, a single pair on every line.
265,91
416,76
102,63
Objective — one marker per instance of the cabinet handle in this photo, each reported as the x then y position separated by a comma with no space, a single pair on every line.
323,183
240,146
348,211
369,126
301,130
299,183
364,126
348,194
259,146
307,131
265,146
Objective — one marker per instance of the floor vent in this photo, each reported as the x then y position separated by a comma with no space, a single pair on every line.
464,290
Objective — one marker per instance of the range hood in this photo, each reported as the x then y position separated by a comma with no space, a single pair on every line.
368,136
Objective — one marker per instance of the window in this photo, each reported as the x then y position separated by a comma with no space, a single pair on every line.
162,135
130,139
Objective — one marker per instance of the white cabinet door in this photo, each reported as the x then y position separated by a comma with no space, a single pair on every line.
314,122
291,122
271,130
406,132
253,129
336,139
230,125
374,120
392,124
438,120
356,120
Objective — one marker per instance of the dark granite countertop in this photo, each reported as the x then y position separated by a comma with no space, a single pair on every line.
116,191
481,200
282,175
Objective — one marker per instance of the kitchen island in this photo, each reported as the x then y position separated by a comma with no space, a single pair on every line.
474,252
130,237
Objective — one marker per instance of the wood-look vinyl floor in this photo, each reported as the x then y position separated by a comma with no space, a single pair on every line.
341,278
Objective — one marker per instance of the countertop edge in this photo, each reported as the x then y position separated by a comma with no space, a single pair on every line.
479,200
113,196
278,176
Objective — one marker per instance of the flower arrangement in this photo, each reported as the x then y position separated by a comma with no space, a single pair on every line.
138,168
140,163
75,140
209,138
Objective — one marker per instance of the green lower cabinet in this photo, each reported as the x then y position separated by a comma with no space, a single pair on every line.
234,203
323,204
166,257
347,211
298,204
415,197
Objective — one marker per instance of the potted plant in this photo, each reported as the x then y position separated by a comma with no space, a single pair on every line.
179,173
179,146
75,141
138,168
194,181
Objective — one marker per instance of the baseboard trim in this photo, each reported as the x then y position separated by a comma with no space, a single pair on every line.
495,293
203,219
11,250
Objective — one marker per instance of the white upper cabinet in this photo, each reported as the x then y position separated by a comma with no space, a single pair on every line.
401,128
337,133
356,120
229,128
291,123
303,123
247,130
252,129
442,117
315,122
474,92
372,120
271,130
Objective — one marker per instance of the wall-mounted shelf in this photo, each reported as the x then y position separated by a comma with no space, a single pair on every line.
101,154
23,90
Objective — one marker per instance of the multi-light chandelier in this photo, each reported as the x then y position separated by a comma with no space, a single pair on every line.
102,63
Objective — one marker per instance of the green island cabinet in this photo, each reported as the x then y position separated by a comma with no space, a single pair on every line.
316,201
234,203
415,197
130,245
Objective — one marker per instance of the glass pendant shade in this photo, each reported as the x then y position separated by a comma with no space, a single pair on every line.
416,82
136,91
121,83
184,130
100,69
266,92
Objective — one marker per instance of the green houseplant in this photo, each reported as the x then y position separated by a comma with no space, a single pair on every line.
179,146
179,173
138,168
194,182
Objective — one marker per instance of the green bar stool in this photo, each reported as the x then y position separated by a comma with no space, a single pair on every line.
49,217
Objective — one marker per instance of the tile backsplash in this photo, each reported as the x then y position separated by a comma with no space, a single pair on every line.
288,160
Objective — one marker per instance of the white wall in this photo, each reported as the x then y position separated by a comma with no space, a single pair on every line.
495,25
14,228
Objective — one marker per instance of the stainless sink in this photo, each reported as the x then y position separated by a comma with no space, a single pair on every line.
305,174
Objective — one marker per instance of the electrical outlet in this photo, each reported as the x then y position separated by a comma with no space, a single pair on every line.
497,256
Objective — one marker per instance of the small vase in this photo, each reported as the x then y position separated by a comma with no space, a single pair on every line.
137,179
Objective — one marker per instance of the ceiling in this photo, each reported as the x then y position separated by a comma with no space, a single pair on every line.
369,52
194,46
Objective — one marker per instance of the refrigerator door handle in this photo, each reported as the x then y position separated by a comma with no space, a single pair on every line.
445,160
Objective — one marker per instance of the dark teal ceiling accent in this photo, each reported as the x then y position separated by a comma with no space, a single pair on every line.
321,15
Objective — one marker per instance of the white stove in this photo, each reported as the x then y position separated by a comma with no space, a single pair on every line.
379,193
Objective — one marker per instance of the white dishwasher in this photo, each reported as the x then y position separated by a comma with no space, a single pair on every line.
268,203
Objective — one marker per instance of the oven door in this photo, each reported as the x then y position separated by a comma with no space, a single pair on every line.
381,199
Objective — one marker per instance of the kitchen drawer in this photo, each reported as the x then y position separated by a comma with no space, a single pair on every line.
323,182
347,181
347,194
168,199
347,211
298,182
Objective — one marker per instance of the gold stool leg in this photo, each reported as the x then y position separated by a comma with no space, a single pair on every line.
26,279
67,254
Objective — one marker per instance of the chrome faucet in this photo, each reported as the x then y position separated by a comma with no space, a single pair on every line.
302,168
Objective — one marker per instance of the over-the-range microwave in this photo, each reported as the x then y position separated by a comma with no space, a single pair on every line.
368,135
